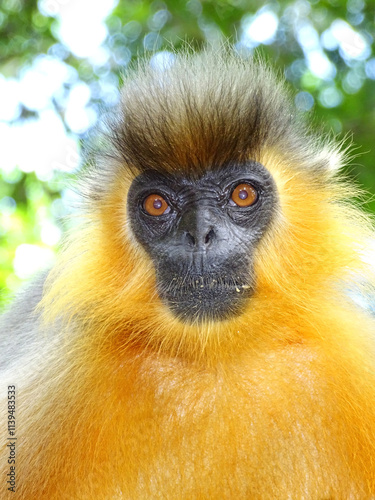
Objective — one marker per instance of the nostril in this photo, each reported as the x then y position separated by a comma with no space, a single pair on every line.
190,239
209,237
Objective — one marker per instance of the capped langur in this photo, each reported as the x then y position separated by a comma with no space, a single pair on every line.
198,337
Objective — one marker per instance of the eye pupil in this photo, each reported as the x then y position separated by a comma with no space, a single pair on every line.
157,204
243,194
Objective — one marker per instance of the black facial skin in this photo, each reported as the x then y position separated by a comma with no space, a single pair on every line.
202,247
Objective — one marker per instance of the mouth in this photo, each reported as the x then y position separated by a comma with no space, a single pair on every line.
205,297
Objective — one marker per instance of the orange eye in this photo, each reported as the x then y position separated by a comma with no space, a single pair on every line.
244,195
155,205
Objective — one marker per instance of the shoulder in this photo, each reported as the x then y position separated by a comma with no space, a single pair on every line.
19,324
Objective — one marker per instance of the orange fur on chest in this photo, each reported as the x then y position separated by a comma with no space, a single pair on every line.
276,423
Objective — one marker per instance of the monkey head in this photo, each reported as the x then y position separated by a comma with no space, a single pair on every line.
210,209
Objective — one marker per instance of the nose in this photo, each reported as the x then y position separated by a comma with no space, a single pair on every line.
199,239
197,228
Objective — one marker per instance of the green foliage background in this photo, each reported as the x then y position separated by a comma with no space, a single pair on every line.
138,27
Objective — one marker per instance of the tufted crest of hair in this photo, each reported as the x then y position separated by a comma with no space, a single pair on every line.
201,111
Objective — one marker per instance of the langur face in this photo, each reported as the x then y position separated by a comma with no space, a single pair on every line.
200,232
